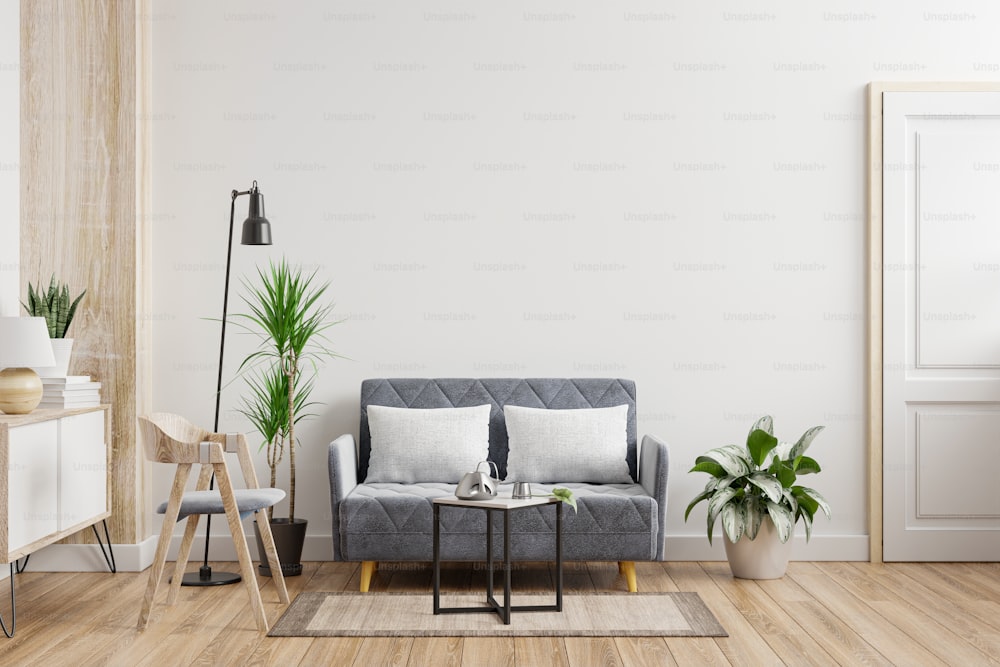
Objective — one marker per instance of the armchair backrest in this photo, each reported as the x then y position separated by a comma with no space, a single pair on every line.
170,438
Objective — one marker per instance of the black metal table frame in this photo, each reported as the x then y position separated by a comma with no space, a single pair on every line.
502,610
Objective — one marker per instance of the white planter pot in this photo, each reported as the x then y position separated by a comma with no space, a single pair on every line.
62,349
764,557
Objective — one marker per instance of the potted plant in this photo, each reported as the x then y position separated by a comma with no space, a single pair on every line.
753,489
286,313
58,309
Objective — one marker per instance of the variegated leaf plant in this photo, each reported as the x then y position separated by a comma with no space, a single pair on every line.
758,480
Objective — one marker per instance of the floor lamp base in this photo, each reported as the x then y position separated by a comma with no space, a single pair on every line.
205,577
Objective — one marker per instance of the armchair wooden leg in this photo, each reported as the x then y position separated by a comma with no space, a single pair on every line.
240,542
160,558
277,576
628,568
182,558
367,569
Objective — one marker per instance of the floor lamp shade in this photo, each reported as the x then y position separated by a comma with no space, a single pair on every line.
24,342
256,228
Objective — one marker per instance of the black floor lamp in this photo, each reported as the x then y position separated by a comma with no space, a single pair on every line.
256,231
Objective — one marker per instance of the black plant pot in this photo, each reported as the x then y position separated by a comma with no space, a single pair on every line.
288,540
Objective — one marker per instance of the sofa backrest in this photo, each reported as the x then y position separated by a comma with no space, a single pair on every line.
551,393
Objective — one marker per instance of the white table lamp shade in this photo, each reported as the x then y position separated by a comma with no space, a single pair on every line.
24,342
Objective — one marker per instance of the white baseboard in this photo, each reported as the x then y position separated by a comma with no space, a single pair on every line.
88,558
138,557
819,548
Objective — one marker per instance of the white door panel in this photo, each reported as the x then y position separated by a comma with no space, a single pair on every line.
957,207
946,440
941,326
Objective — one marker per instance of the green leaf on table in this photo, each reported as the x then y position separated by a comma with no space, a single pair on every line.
565,495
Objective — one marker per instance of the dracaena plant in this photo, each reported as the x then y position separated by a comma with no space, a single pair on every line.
758,480
288,315
266,407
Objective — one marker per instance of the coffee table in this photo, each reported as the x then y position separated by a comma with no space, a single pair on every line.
507,505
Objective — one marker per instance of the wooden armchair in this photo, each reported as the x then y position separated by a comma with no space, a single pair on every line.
169,438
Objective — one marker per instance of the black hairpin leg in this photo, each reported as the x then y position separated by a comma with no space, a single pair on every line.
17,567
109,555
13,608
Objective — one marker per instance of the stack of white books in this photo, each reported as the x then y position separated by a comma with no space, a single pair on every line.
72,391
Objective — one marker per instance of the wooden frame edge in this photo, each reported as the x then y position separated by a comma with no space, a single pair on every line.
874,374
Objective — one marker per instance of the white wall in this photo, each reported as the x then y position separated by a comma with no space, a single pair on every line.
672,193
10,142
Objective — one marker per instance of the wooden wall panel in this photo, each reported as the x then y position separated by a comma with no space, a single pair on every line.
78,201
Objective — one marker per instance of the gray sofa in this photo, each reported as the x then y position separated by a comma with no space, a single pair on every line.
387,521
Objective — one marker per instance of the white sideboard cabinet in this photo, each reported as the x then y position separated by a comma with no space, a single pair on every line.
54,476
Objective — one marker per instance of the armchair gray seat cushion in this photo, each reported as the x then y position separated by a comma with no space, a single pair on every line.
392,522
248,501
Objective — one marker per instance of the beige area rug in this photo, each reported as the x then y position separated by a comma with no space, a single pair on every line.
583,615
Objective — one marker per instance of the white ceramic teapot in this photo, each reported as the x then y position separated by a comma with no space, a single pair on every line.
478,485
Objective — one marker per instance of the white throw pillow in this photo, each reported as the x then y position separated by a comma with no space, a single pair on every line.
438,445
588,445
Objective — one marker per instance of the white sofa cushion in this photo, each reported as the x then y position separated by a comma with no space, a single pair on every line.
436,445
586,445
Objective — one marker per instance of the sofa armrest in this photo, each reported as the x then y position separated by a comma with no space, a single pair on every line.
654,466
343,478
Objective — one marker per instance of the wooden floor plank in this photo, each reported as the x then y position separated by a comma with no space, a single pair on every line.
331,651
743,646
822,607
941,582
31,585
195,627
972,580
267,651
38,614
332,576
606,577
384,651
642,651
958,616
488,651
697,651
653,578
923,625
772,622
106,616
437,651
238,641
849,613
592,651
531,651
576,578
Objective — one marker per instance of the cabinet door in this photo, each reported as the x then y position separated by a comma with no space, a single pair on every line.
33,508
83,468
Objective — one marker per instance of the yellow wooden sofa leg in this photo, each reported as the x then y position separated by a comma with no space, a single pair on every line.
628,568
367,569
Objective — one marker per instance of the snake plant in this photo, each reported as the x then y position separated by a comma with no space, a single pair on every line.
758,480
55,306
